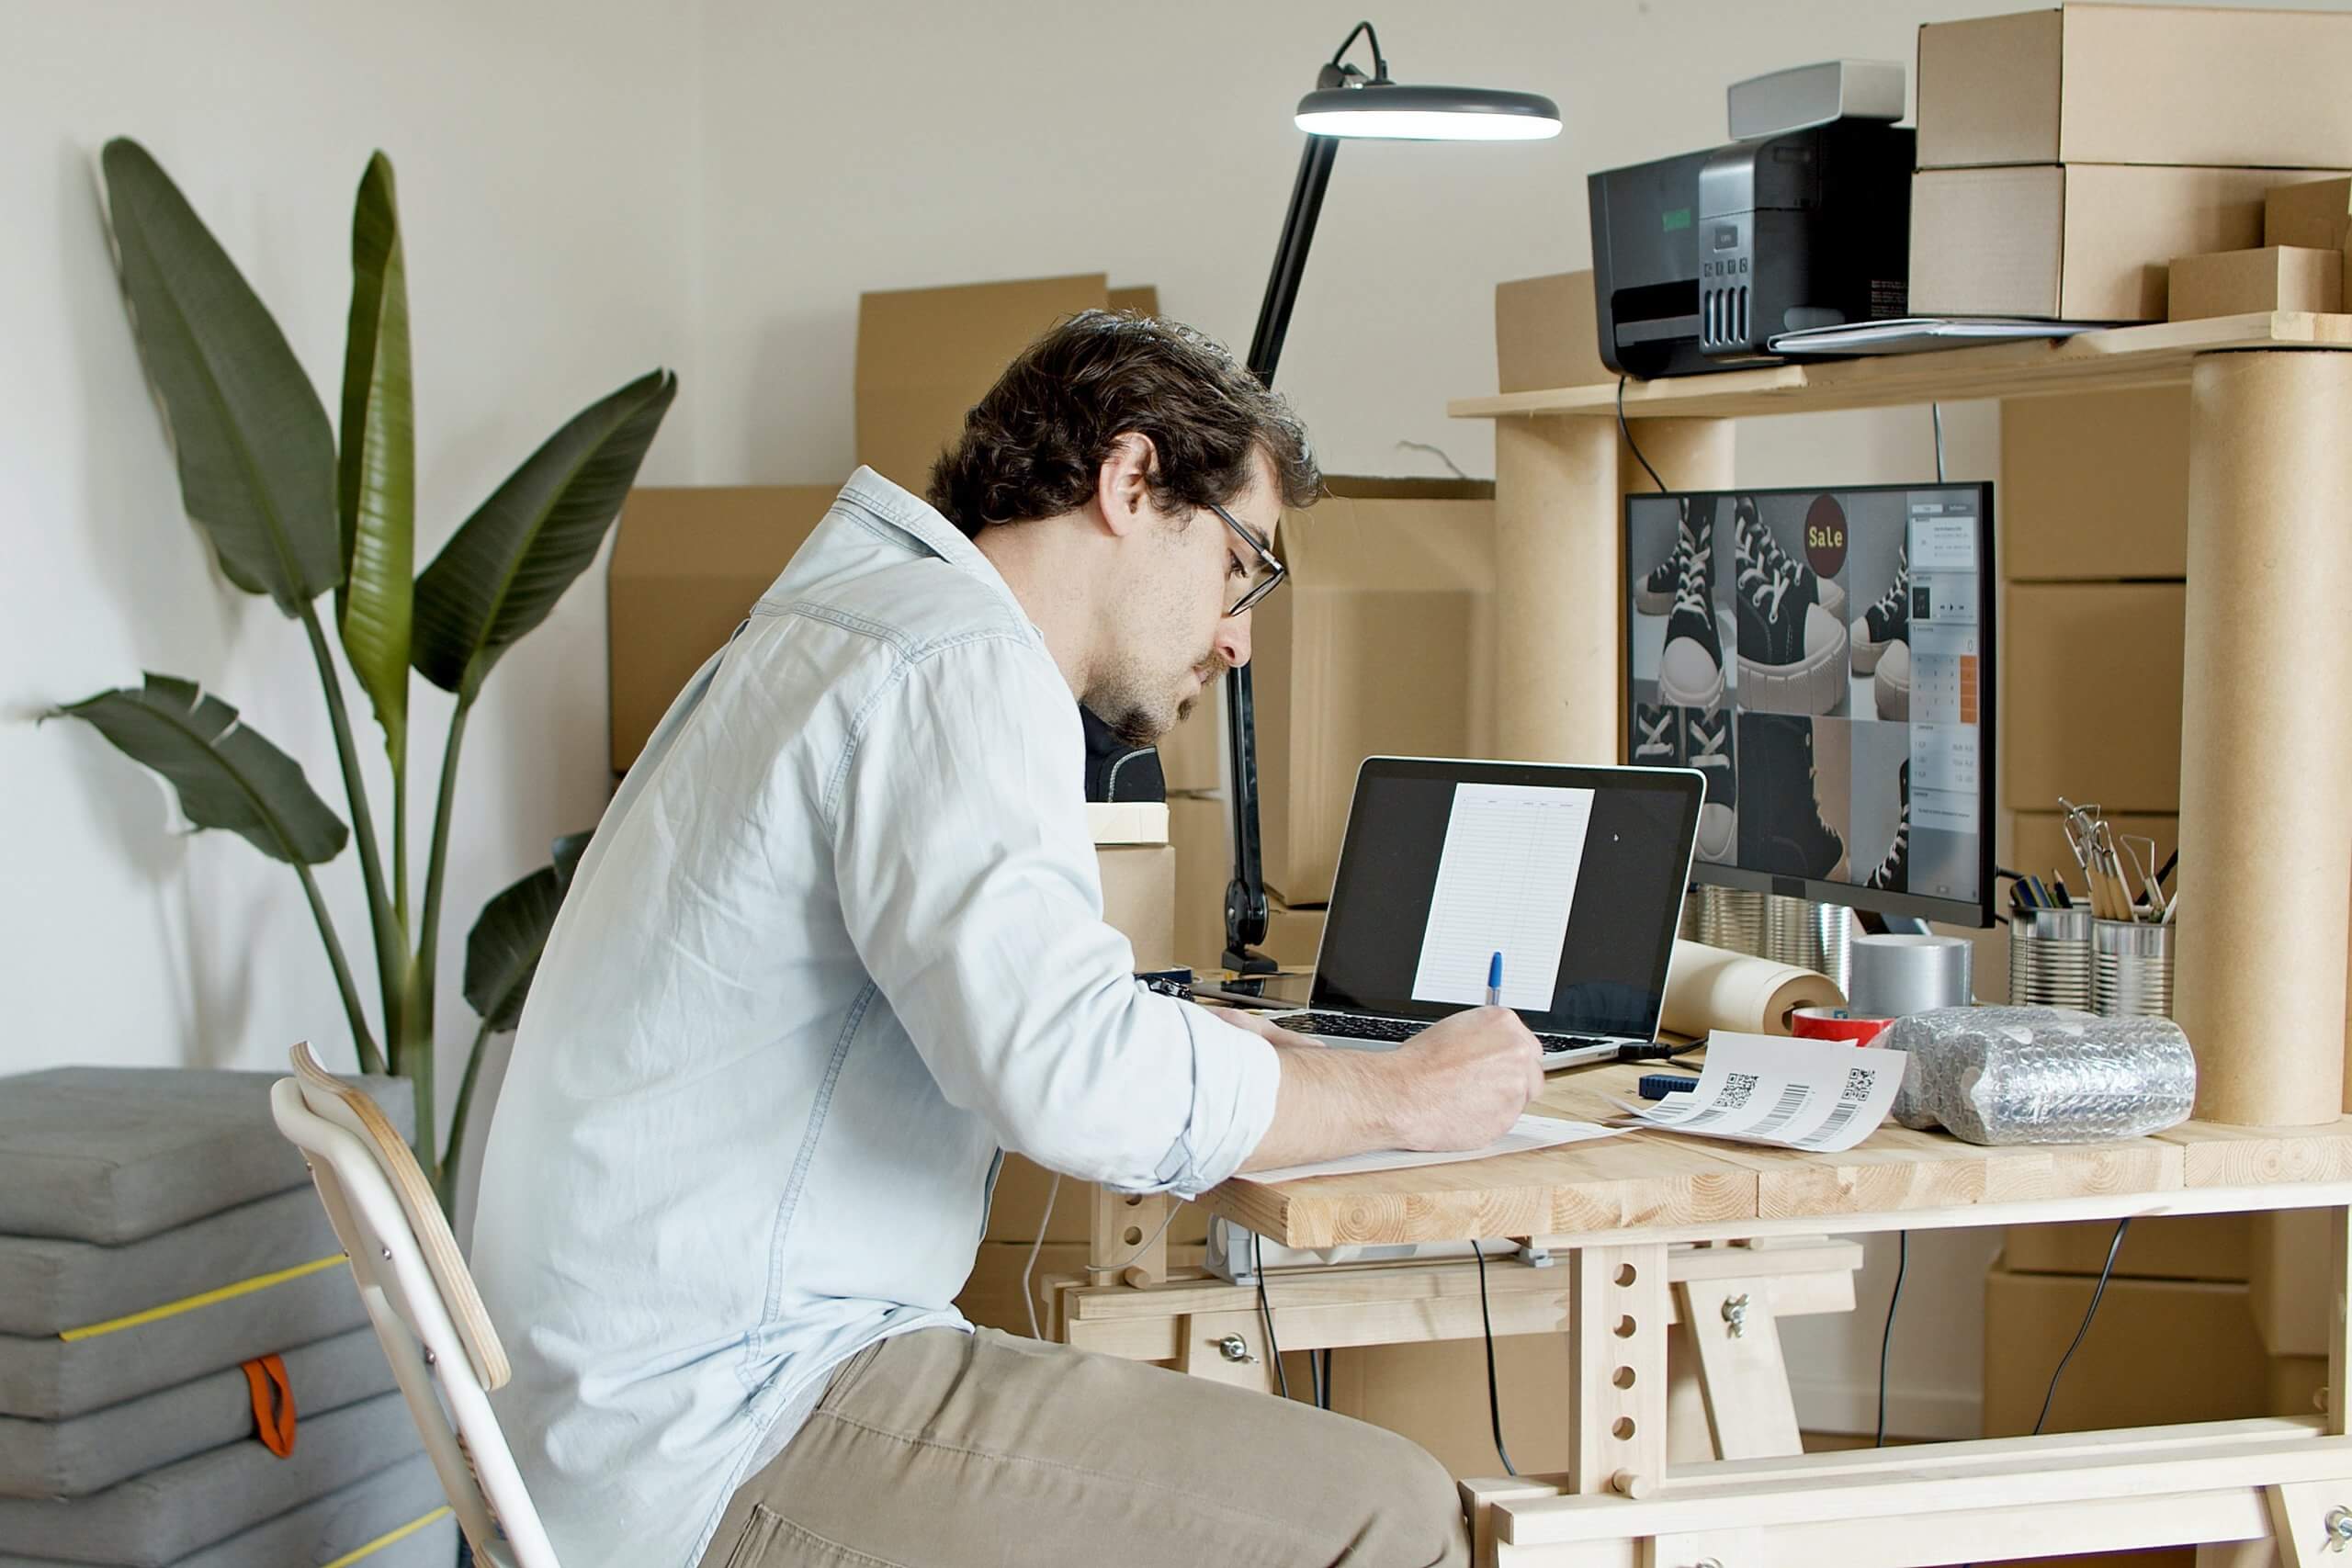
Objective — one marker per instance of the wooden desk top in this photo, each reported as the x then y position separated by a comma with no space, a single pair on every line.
2159,354
1675,1189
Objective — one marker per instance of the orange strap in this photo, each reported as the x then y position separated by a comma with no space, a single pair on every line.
273,1403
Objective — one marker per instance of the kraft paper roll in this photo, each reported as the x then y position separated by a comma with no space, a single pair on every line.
2265,839
1559,587
1710,990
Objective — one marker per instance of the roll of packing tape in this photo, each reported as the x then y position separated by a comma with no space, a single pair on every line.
1897,976
1836,1023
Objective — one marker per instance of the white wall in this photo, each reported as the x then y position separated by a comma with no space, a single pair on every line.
545,159
595,188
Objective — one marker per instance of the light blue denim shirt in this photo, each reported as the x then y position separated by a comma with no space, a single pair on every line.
838,940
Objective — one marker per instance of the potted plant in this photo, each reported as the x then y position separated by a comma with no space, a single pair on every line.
292,512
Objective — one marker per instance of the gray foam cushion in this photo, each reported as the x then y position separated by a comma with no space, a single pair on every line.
157,1519
327,1528
48,1284
89,1453
113,1154
49,1379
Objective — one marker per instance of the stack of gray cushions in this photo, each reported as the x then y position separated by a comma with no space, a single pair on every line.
124,1190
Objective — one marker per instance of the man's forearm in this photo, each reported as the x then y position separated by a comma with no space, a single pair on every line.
1331,1103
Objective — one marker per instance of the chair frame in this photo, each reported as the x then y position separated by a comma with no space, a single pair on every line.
413,1279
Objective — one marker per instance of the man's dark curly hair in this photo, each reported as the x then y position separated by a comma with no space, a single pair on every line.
1033,446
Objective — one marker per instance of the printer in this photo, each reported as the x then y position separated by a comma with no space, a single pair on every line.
1700,260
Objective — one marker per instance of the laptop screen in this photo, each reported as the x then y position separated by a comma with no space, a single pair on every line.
1574,874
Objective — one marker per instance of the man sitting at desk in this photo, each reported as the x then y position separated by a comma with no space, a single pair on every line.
838,938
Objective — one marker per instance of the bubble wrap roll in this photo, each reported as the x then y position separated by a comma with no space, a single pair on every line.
2042,1075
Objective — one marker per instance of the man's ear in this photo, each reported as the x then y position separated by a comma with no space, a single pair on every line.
1123,486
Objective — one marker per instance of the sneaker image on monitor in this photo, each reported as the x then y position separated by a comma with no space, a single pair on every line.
1690,672
1792,647
1785,822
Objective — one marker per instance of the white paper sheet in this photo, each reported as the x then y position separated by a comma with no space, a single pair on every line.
1821,1095
1527,1133
1506,881
1914,335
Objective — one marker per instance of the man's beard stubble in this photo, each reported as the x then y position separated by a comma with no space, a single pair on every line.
1138,725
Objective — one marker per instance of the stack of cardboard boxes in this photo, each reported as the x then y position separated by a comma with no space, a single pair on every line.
2067,156
2034,200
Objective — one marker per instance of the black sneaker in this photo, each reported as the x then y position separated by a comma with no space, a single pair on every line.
1827,591
1894,872
1888,621
1656,595
1657,736
1781,829
1791,651
1706,741
1690,670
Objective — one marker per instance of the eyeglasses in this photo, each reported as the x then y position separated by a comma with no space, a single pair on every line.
1275,571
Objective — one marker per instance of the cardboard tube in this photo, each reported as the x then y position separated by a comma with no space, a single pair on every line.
1710,989
2266,788
1559,583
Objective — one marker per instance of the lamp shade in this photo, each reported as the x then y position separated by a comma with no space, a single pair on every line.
1414,113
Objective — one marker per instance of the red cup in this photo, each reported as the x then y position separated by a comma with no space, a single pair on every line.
1835,1023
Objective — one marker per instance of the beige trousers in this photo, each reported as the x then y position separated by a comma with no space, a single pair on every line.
939,1448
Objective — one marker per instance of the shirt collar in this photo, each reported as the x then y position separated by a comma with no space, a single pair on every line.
895,506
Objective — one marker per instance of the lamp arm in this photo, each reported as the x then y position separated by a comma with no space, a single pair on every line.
1247,913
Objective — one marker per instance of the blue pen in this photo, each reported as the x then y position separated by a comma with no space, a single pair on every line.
1495,981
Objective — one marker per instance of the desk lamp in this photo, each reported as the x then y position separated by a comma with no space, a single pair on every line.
1345,103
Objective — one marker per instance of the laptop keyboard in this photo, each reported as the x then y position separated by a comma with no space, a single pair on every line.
1352,1026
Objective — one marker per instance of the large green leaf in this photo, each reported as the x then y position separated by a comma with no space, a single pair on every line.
504,569
256,460
503,949
377,493
226,776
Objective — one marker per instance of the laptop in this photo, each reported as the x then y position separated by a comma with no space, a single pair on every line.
1574,874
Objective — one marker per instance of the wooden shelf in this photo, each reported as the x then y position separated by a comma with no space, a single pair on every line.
2104,360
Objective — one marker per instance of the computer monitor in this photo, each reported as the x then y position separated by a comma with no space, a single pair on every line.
1825,657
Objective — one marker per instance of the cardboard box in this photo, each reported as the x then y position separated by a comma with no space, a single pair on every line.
1380,642
2135,85
2090,695
2276,277
688,564
2077,242
1192,755
1436,1394
1198,828
1548,334
2035,841
2287,1289
2187,1246
2158,1351
1137,868
925,355
1292,936
2094,486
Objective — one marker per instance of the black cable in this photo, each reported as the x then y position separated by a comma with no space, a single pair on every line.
1266,1312
1935,412
1325,1354
1493,1399
1627,431
1902,1263
1363,30
2112,1248
1314,1376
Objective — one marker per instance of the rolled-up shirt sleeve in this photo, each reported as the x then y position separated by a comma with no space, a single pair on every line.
967,880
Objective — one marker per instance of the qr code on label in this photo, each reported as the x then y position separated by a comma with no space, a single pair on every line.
1738,1087
1857,1084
